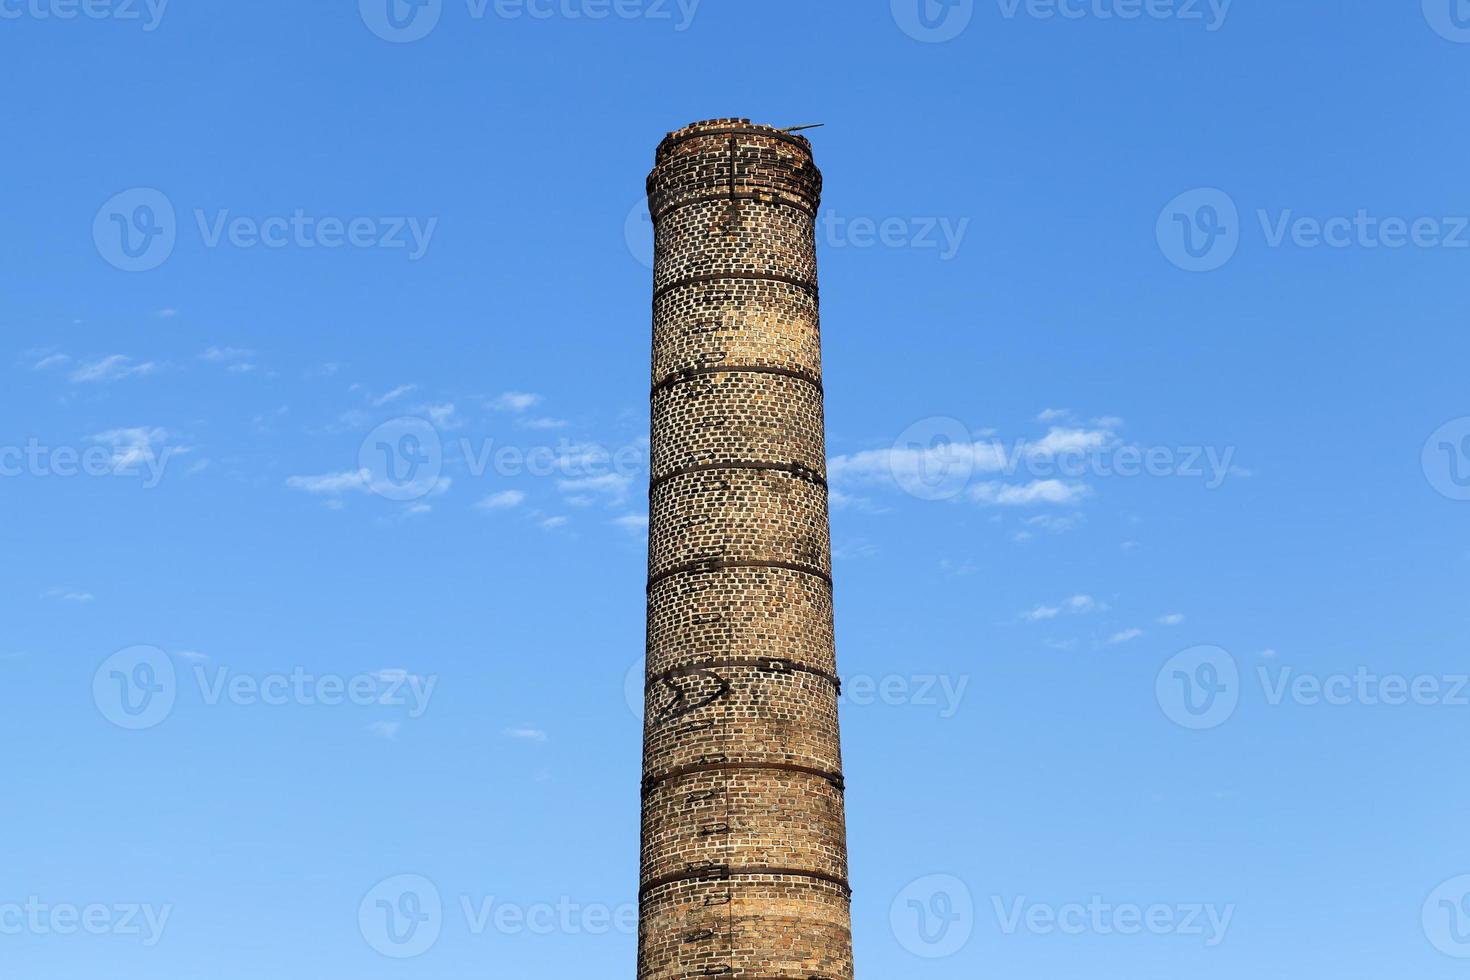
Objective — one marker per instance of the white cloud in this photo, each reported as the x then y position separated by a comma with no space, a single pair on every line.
1053,415
385,729
1054,523
193,655
50,361
516,401
633,522
442,416
237,360
68,595
503,500
393,395
135,446
613,485
331,483
1172,619
1076,441
545,423
112,368
981,468
220,355
1029,494
1123,636
552,523
167,313
526,733
1074,605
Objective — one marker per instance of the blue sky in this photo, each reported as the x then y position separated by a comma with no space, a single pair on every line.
1220,247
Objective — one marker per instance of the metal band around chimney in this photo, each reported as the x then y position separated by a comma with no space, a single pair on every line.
838,781
795,469
726,873
771,665
810,288
720,564
760,197
690,373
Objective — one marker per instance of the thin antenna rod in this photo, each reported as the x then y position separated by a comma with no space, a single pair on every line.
797,129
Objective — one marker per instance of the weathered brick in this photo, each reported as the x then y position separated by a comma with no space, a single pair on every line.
744,857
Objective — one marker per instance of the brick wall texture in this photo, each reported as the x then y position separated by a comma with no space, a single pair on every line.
744,857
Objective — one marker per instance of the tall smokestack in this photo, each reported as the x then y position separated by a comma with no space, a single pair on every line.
744,871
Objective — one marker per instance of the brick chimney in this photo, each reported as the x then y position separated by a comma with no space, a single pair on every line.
744,859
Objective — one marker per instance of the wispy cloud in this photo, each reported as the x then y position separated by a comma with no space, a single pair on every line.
1172,619
551,523
985,466
385,729
585,490
393,395
112,368
1029,494
70,595
441,415
137,445
526,733
1123,636
633,522
515,401
332,484
504,500
236,358
1074,605
50,361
